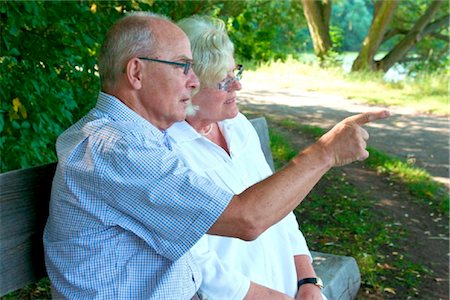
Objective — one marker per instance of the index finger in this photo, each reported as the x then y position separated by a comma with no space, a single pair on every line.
367,117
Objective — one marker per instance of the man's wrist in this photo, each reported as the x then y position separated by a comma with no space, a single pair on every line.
317,154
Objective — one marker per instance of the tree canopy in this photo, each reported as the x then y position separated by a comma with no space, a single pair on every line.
48,51
404,29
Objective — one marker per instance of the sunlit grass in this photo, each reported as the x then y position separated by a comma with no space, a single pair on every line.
417,181
281,149
427,93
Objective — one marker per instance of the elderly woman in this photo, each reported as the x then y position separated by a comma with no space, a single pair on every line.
218,142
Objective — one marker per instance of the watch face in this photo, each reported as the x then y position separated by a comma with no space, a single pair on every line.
319,282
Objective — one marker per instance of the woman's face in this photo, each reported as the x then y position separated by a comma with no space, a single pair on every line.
215,104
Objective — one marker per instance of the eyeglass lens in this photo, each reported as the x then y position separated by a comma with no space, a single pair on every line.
226,84
187,67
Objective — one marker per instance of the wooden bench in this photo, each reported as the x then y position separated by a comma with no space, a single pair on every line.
24,198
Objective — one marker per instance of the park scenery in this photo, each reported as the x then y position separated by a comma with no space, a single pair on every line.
308,64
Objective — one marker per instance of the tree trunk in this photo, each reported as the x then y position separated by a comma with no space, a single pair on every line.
415,35
317,13
384,11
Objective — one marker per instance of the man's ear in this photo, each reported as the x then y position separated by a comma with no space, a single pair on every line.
134,73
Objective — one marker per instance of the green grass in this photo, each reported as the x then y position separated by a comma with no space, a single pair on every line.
38,290
427,93
417,181
337,218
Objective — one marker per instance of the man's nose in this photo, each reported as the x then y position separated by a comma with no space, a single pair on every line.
193,81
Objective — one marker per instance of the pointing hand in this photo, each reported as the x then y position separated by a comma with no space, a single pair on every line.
347,140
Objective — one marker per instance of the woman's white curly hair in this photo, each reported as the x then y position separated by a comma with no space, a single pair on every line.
212,49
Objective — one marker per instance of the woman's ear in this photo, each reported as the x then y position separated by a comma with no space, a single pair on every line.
134,73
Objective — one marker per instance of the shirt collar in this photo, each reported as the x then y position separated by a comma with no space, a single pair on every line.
118,111
183,132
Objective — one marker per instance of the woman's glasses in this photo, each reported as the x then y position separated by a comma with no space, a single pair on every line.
226,84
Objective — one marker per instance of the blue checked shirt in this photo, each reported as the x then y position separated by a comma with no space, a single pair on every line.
125,211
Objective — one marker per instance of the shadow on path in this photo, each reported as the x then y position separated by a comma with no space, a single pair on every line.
423,139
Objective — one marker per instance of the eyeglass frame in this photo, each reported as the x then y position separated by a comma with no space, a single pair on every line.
186,65
225,85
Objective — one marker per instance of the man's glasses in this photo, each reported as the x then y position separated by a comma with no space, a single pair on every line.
185,65
225,85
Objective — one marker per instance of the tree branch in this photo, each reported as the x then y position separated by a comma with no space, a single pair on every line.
429,29
393,32
439,36
436,25
412,37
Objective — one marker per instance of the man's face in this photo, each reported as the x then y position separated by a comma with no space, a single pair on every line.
166,89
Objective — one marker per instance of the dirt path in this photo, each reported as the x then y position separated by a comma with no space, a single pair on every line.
405,135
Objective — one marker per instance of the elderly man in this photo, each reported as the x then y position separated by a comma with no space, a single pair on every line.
125,211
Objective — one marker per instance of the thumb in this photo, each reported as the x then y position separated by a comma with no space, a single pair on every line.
367,117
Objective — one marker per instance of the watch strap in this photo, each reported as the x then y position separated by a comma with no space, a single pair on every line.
312,280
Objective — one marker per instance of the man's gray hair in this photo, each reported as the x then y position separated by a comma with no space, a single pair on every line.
211,47
129,37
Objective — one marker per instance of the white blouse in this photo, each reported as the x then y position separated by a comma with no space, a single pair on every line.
229,264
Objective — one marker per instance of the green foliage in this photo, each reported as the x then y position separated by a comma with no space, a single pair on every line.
352,18
262,30
48,74
267,30
38,290
431,53
49,52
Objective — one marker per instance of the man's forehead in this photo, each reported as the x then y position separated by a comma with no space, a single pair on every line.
171,40
164,29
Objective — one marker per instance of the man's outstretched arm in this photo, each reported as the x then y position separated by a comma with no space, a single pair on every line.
267,202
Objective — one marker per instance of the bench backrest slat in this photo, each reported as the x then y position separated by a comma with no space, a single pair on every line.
24,197
262,129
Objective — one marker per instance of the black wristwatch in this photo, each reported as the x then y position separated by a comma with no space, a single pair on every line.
312,280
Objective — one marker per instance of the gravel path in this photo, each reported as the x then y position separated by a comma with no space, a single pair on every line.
423,139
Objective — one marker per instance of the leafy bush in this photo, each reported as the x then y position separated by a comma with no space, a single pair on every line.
48,67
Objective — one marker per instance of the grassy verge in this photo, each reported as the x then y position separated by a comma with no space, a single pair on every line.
417,181
425,92
337,218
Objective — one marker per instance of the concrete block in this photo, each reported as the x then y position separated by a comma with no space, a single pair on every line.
340,275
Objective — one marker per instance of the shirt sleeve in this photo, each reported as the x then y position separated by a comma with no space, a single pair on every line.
298,241
219,280
151,193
